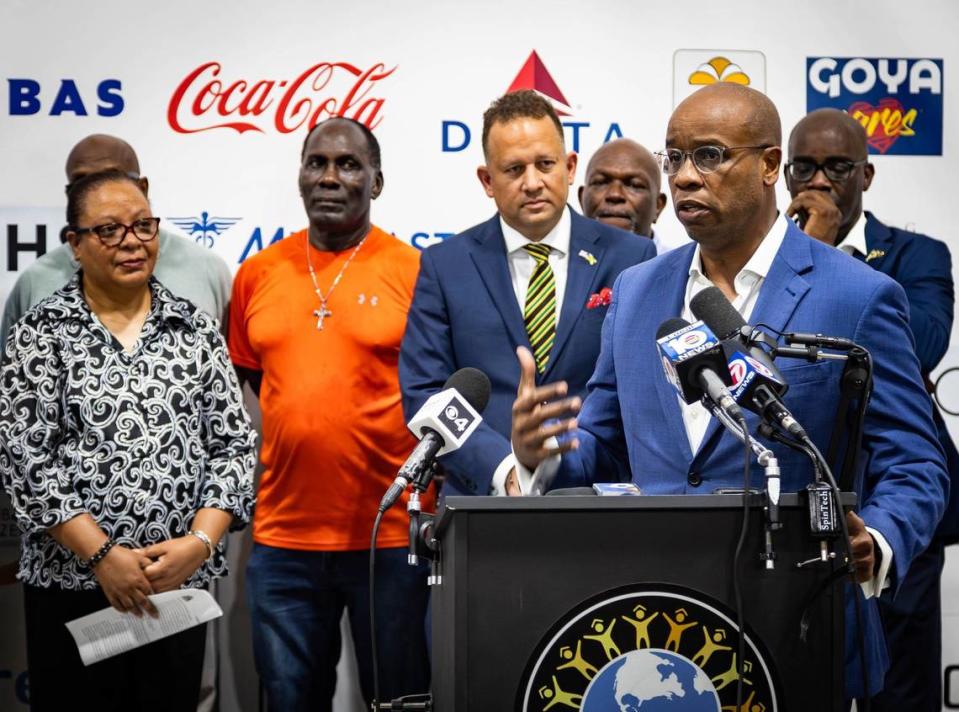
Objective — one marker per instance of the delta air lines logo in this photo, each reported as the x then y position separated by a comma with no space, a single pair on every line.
534,75
696,68
458,135
898,101
656,647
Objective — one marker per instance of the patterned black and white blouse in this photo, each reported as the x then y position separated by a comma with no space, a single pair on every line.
140,440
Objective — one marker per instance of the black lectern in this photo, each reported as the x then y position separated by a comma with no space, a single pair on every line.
594,603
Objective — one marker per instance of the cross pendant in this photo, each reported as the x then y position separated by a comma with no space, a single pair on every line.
320,315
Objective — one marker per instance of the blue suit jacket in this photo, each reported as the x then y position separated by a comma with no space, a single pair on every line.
923,267
631,424
465,313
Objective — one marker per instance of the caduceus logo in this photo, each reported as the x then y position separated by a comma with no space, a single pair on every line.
646,648
204,100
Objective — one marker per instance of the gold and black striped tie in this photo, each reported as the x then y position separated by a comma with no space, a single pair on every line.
540,311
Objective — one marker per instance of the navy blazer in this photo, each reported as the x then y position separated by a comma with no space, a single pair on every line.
631,426
465,313
923,266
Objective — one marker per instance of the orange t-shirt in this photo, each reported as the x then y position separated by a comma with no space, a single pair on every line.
334,435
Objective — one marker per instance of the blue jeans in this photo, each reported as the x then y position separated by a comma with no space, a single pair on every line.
296,600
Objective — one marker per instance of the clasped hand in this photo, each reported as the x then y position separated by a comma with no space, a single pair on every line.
129,576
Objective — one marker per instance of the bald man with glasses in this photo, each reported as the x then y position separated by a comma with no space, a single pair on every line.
827,173
723,158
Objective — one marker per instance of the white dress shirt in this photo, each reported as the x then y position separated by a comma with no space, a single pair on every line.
521,266
855,239
696,418
521,263
747,284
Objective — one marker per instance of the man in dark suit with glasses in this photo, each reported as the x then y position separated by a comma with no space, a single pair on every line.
827,173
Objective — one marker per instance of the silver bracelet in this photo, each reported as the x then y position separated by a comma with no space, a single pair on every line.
205,538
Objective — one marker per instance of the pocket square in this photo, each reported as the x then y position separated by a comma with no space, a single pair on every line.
602,298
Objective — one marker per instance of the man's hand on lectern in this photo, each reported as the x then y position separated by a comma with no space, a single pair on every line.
533,407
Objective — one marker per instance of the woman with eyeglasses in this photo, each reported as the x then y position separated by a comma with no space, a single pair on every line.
127,455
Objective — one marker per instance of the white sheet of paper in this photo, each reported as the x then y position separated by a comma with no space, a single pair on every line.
109,632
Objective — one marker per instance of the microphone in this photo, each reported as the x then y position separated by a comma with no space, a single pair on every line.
443,424
695,363
761,384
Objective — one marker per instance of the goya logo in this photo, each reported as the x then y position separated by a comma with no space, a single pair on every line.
457,135
27,97
898,101
646,647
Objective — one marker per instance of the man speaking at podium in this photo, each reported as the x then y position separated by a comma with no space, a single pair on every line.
722,157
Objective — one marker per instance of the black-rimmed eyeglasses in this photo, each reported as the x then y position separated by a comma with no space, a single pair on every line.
836,169
112,234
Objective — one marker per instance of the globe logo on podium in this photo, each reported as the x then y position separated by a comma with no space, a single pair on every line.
651,680
647,648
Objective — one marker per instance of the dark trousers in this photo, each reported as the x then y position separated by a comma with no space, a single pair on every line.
296,600
913,626
162,676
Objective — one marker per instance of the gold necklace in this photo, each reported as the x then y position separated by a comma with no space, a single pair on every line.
323,311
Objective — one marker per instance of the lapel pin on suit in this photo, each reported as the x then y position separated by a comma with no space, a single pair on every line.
588,256
875,255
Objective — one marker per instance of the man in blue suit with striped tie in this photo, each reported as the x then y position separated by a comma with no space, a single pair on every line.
536,274
827,173
723,157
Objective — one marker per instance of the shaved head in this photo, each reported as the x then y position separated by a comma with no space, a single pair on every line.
749,110
100,152
728,205
629,150
837,122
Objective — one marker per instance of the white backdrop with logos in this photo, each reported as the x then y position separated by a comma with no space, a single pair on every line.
216,97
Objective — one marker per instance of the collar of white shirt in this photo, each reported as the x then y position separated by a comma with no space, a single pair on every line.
750,277
558,238
855,240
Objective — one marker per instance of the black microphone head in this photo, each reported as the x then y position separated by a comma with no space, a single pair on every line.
712,308
669,326
473,385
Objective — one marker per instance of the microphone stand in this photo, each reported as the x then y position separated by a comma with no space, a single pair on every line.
767,459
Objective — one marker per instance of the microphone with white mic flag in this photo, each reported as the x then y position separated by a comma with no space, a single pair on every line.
443,424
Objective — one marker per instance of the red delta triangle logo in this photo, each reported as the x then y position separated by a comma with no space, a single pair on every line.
534,75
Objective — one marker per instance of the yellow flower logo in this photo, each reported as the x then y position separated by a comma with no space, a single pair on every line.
719,69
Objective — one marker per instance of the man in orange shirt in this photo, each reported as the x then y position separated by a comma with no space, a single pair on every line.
315,327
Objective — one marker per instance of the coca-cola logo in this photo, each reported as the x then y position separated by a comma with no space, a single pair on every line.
203,101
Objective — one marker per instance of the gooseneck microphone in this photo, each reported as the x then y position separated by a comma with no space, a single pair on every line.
443,424
757,383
